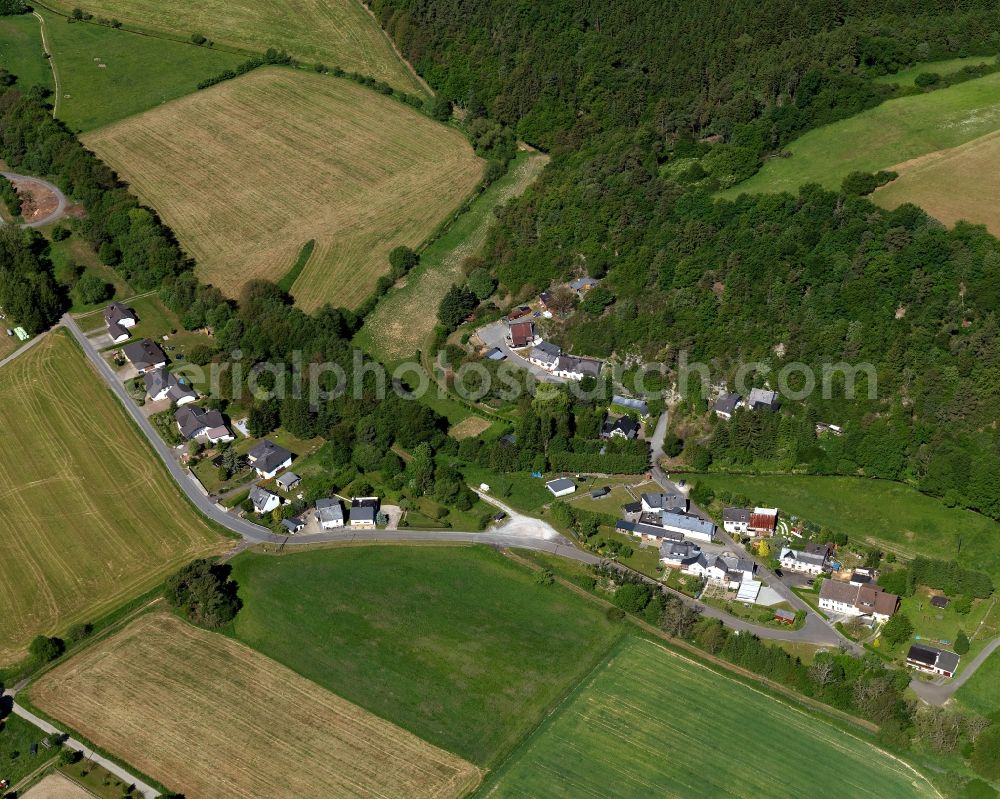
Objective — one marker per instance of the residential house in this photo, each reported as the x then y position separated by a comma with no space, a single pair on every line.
736,521
637,405
294,525
363,517
163,385
329,514
763,521
120,315
194,422
625,427
543,300
727,569
762,399
648,533
544,355
678,554
632,510
583,284
288,481
263,500
656,502
561,486
144,355
690,526
725,406
521,334
570,367
268,459
811,559
932,660
119,334
857,600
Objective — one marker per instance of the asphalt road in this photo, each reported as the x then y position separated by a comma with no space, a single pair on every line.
60,197
937,693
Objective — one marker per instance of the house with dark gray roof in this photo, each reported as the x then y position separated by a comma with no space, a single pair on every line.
544,355
194,422
678,554
329,513
736,520
762,399
293,525
267,458
932,660
725,406
637,405
263,500
363,516
805,561
583,284
561,486
120,315
144,355
625,427
163,385
119,334
288,481
570,367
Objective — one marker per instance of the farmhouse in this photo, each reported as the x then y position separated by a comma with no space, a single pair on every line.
812,559
679,554
163,385
288,481
763,521
144,355
725,406
521,334
263,500
329,513
637,405
268,459
625,427
932,660
561,486
857,600
544,355
194,422
120,315
736,520
573,368
762,399
689,525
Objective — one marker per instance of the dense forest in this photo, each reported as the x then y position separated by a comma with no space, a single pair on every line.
646,108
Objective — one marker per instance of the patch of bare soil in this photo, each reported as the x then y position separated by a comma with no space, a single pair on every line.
37,200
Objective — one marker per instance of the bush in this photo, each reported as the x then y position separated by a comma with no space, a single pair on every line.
198,39
859,184
204,593
60,233
926,79
78,632
11,7
90,289
961,643
45,649
633,597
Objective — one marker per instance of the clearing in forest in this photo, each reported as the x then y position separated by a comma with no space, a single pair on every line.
211,717
91,518
248,171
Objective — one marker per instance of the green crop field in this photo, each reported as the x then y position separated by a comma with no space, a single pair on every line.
883,137
107,74
651,723
456,644
21,51
90,518
906,77
336,32
890,515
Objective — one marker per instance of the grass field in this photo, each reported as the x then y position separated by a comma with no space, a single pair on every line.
16,760
883,137
456,644
90,518
982,692
108,74
907,77
248,171
212,717
950,184
336,32
21,51
651,723
889,515
402,323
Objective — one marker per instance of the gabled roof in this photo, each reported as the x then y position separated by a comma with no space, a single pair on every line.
268,456
648,529
192,420
545,351
560,484
739,515
583,283
160,380
260,497
522,333
584,366
632,507
922,653
144,354
762,398
362,514
116,331
329,510
628,402
288,479
496,354
726,403
115,312
626,425
292,525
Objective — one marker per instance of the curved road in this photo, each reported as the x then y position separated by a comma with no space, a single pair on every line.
60,210
937,693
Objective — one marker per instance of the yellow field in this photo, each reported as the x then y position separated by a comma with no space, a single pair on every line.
336,32
89,518
248,171
211,717
951,185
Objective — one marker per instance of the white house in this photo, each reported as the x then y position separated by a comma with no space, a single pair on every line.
687,524
267,458
812,559
570,367
728,569
263,500
194,422
164,385
736,521
623,427
857,600
656,502
144,355
932,660
119,333
364,511
329,514
561,486
725,406
678,554
544,355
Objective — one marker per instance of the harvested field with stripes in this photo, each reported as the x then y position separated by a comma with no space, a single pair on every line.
248,171
652,723
212,717
90,517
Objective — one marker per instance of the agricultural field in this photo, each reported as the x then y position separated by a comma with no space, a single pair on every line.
639,726
401,324
248,171
211,717
950,184
884,137
107,74
889,515
336,32
91,518
21,51
459,645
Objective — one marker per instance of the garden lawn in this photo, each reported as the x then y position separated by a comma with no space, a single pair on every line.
21,51
982,692
456,644
883,137
652,723
16,760
889,515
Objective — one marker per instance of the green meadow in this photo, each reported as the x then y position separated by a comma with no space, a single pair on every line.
21,51
949,66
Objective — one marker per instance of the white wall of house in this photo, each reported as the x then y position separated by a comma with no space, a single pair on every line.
735,527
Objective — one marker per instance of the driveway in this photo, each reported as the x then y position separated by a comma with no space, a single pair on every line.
101,340
939,691
495,335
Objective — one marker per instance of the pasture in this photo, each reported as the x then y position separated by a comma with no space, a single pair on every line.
336,32
889,515
211,717
982,691
652,723
21,51
405,318
459,645
248,171
951,185
884,137
90,517
107,74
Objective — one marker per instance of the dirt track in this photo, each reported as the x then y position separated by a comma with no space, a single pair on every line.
51,197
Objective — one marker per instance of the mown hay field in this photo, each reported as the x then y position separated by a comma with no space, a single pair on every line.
652,723
90,517
211,717
56,786
335,32
248,171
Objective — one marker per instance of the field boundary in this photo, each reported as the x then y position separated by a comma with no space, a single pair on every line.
57,88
